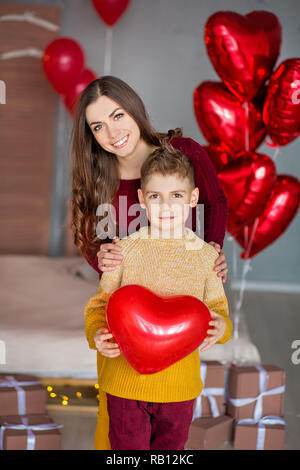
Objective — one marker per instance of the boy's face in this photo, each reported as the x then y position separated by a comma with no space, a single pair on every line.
167,200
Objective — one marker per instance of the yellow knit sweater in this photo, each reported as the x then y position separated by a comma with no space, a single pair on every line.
169,266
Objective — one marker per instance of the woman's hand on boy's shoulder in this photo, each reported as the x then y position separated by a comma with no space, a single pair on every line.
109,256
220,263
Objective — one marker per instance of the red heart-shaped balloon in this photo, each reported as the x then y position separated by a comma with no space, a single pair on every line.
247,181
219,157
223,120
239,49
279,212
155,331
281,112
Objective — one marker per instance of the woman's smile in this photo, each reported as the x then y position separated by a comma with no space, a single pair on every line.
122,142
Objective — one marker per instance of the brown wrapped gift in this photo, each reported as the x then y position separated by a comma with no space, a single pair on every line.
21,394
209,433
213,377
29,432
248,436
244,383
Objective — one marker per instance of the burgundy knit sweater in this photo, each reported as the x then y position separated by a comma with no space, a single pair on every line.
210,194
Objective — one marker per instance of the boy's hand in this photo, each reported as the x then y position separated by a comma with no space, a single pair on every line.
103,345
220,263
217,332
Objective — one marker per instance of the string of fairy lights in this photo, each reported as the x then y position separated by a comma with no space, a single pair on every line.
64,399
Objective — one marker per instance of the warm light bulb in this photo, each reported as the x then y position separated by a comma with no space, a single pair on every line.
52,395
49,388
79,394
96,385
64,402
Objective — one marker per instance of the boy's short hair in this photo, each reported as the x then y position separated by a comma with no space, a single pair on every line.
166,160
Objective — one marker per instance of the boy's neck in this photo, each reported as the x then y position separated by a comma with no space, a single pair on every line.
177,234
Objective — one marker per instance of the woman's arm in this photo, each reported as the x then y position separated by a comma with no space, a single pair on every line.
211,193
95,310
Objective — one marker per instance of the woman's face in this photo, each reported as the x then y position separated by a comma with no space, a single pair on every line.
113,128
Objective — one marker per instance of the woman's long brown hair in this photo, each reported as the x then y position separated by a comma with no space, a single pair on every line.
95,174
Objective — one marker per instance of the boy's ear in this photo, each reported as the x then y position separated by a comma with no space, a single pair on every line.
194,197
141,198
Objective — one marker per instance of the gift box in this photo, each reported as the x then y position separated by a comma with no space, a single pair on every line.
29,432
255,391
211,400
209,433
21,394
266,434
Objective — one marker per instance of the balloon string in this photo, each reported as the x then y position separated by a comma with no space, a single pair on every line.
249,246
276,153
246,109
246,234
108,48
237,302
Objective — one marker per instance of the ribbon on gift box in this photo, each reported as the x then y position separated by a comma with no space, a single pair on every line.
261,431
263,383
210,393
10,382
29,428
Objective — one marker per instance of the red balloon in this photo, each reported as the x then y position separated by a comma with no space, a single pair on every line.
240,51
219,157
247,182
155,331
281,112
63,61
272,27
279,212
223,119
110,10
75,90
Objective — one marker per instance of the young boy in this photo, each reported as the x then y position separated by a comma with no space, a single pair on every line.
154,411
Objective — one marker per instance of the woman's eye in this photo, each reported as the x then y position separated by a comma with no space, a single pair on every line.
153,196
95,128
178,194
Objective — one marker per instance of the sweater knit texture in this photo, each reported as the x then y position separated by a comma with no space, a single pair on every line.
167,266
210,194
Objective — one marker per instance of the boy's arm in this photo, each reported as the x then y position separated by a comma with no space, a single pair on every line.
216,300
95,310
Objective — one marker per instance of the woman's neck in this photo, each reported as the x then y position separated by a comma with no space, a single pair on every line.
130,166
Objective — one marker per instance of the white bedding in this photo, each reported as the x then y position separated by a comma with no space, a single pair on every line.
42,321
41,317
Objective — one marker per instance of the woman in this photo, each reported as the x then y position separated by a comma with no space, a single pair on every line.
112,136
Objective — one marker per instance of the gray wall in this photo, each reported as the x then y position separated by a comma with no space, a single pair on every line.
158,48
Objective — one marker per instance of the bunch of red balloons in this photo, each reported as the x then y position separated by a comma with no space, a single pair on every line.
235,115
64,61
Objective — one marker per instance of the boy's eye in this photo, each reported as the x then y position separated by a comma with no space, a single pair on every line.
175,194
95,128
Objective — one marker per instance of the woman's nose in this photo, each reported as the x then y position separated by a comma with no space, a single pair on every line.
114,132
